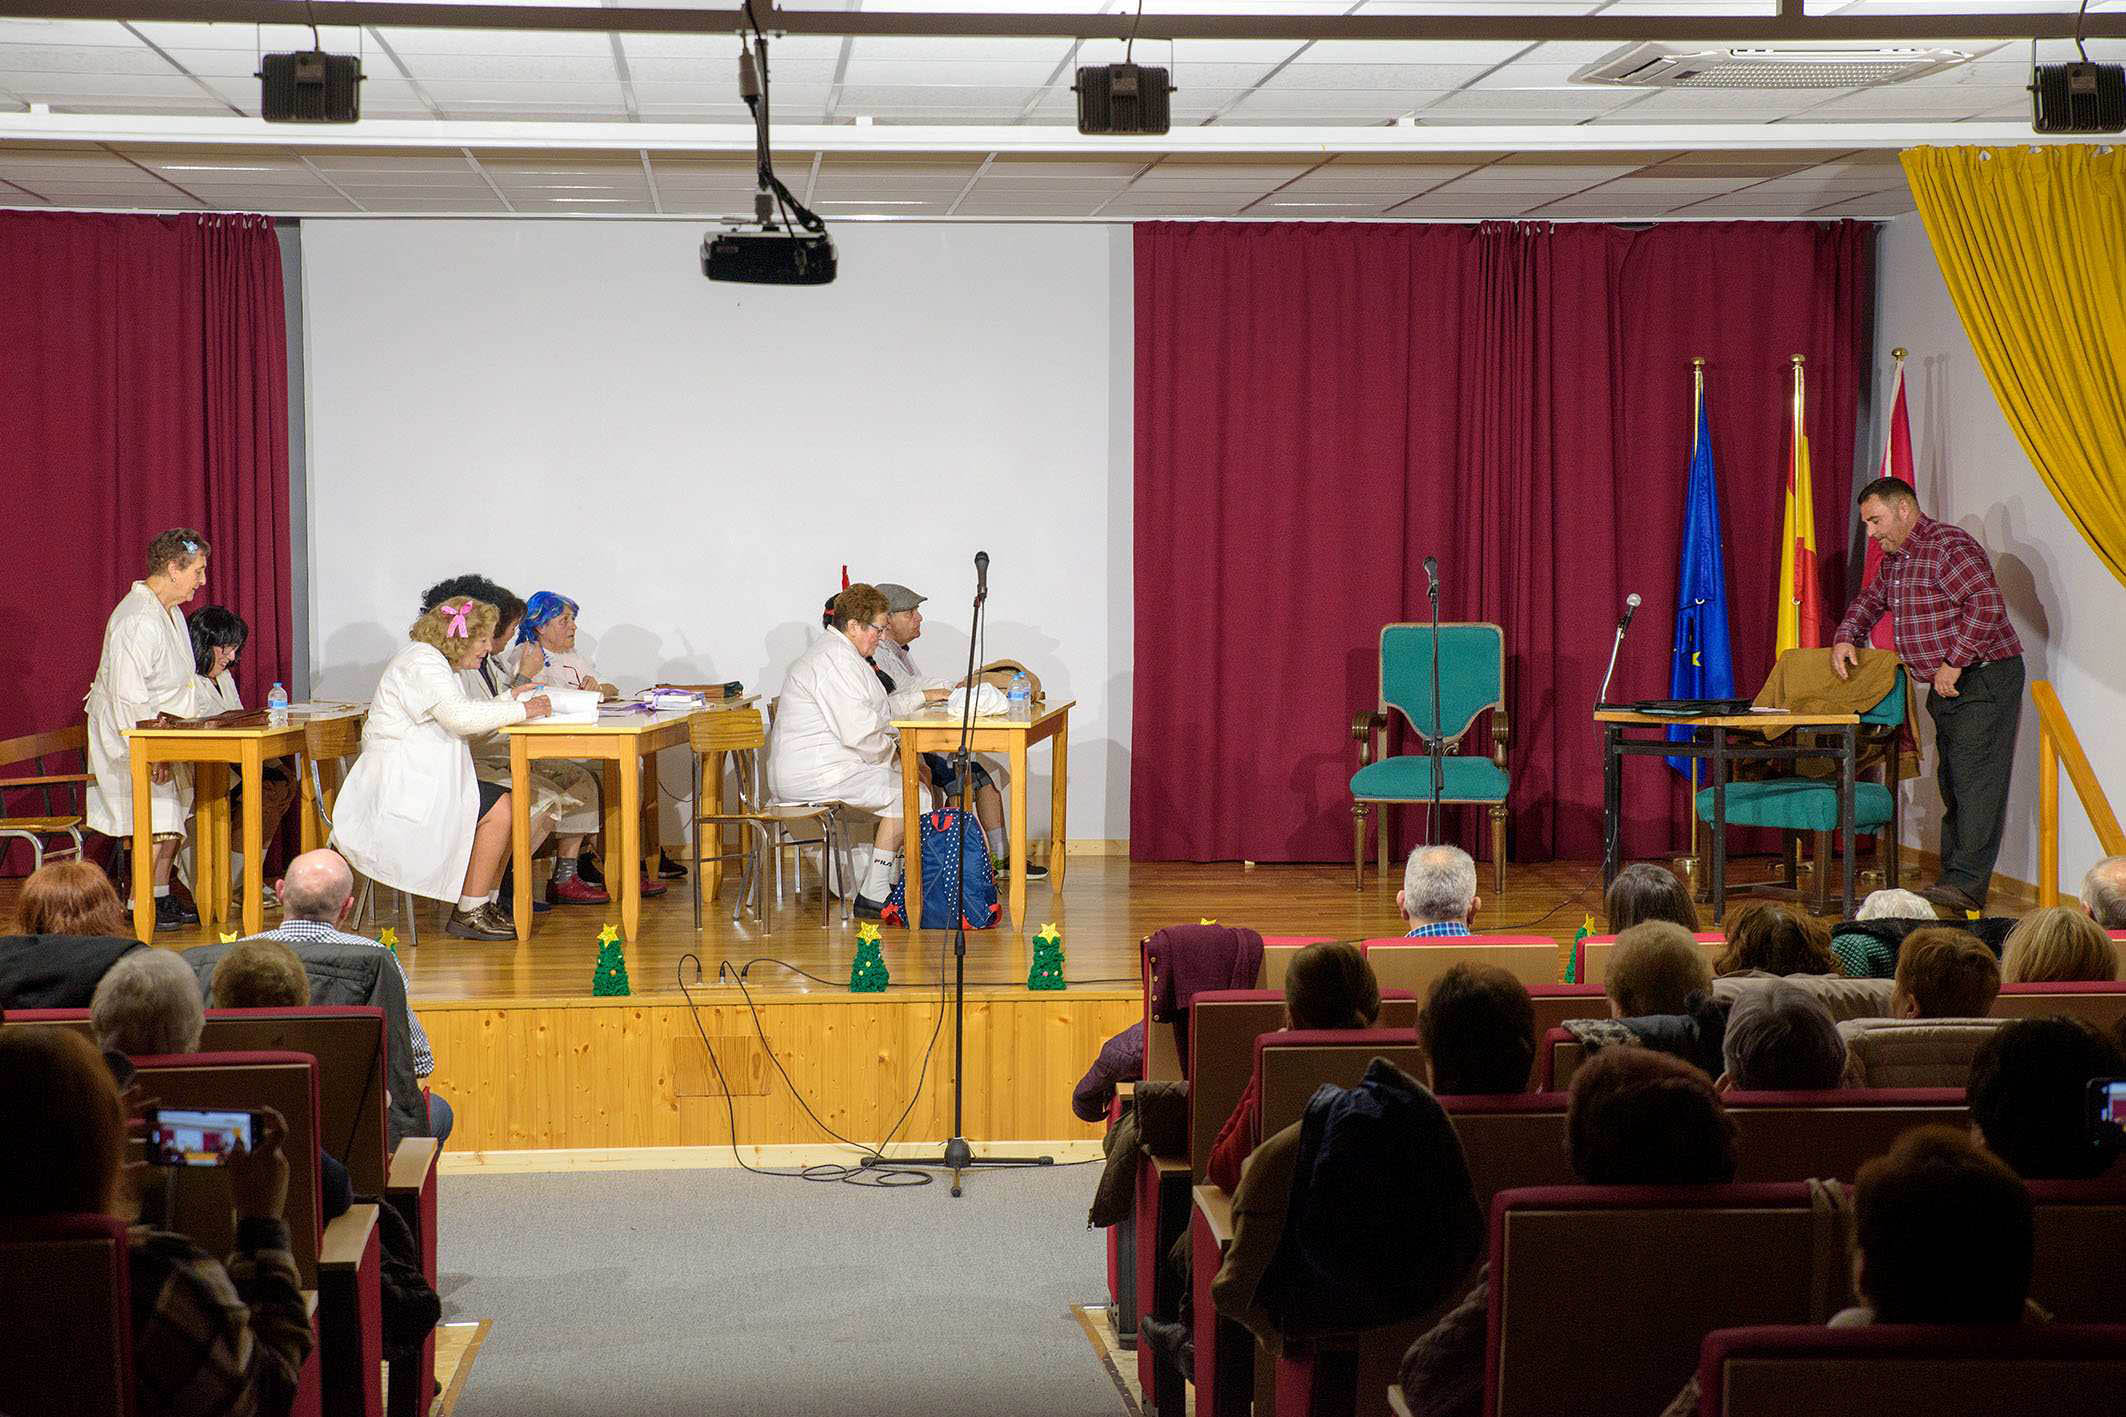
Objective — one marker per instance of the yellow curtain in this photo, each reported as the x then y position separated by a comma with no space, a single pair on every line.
2032,243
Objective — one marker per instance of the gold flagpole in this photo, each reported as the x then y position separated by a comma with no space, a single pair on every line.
1687,866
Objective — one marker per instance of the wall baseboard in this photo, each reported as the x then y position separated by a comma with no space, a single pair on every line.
700,1158
1096,846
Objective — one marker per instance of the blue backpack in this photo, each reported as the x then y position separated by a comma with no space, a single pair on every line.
973,879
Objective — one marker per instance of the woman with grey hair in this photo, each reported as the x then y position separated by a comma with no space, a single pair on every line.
147,1005
1866,955
1780,1038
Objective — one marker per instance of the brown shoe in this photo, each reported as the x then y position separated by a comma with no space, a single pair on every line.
1953,902
485,923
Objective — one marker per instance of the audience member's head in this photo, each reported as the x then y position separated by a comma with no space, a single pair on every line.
1944,972
1644,891
259,974
2029,1095
2056,944
148,1004
1654,968
1329,985
1439,885
72,898
1637,1117
2104,893
1478,1031
509,610
1781,1038
60,1109
1946,1233
1777,940
1894,903
319,886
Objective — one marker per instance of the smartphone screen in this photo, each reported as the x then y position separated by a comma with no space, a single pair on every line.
2108,1105
182,1137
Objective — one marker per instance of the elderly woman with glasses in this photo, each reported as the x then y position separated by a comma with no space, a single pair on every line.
833,739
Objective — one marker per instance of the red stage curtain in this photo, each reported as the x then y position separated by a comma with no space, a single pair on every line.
143,385
1319,407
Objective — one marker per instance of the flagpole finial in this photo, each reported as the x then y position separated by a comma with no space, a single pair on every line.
1799,359
1698,363
1898,354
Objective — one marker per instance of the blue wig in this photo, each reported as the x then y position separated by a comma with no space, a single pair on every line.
543,606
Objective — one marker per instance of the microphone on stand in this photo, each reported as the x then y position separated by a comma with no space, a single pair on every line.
981,576
1432,576
1631,608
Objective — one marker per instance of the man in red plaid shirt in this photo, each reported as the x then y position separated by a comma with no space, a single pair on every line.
1952,631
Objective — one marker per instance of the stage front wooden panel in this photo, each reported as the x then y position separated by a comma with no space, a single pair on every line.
539,1074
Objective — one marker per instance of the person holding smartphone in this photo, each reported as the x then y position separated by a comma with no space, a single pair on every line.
208,1336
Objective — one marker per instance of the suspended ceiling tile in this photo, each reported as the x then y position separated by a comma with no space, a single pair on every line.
927,72
251,39
1301,74
721,72
410,42
106,33
722,49
451,69
972,49
979,204
102,60
389,162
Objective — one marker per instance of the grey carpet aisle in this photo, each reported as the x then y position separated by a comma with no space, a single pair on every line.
651,1292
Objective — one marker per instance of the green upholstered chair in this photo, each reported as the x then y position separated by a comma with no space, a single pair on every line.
1794,805
1472,679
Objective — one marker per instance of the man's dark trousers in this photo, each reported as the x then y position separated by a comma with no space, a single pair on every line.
1974,743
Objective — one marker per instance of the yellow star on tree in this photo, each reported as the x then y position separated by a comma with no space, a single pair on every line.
228,937
388,938
1206,920
866,933
1051,929
609,935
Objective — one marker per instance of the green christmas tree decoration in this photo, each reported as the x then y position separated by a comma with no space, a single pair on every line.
867,974
610,981
1047,970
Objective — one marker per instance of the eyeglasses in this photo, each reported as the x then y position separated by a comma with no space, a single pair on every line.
879,626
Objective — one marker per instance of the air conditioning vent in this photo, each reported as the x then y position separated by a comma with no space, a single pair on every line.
1658,66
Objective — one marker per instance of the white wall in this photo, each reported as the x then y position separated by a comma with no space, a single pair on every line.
571,406
2066,606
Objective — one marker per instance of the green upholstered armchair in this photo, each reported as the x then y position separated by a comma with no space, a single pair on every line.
1472,678
1794,805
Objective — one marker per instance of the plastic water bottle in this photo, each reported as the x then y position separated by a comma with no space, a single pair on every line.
1018,698
277,703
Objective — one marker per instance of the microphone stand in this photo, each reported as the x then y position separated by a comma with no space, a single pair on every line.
958,1155
1439,746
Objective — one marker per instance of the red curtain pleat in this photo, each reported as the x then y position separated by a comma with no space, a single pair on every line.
143,385
1319,407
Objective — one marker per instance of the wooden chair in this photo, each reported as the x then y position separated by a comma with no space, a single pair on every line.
831,840
1417,964
66,1308
54,819
1887,1370
334,740
742,735
1472,678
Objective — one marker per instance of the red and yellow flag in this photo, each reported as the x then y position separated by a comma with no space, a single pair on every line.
1800,618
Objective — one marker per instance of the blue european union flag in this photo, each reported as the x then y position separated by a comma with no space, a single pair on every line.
1703,666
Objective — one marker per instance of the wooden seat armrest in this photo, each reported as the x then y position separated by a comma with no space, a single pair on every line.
411,1165
346,1238
1397,1403
48,780
1125,1092
1363,729
310,1306
1166,1166
1501,735
1216,1208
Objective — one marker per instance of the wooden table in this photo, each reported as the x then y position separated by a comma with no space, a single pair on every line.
215,750
1711,741
937,732
623,743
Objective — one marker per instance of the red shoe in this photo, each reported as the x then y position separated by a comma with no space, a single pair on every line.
652,886
575,891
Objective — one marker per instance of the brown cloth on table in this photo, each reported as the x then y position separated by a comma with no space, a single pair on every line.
1804,682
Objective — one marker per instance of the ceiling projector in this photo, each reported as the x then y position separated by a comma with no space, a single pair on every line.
768,257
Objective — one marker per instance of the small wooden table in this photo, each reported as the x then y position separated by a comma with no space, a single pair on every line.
623,743
215,750
1712,742
937,732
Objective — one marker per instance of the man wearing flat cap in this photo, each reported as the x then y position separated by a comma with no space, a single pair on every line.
911,690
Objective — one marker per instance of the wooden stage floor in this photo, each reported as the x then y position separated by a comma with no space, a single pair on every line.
532,1062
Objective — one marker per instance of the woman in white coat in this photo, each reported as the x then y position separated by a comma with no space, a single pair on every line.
833,740
146,669
413,815
218,637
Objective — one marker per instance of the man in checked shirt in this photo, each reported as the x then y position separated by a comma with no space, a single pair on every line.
1952,631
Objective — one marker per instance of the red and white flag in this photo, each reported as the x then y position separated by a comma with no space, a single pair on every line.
1897,463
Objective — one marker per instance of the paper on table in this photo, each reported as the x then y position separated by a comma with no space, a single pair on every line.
572,705
1768,708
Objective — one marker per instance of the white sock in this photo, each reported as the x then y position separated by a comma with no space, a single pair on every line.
161,892
471,902
494,895
999,844
878,876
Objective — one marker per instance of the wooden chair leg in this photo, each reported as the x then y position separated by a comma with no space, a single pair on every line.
1791,844
1358,845
1387,823
1498,850
1826,867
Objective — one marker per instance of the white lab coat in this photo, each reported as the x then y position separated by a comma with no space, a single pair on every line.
146,669
561,789
908,681
216,695
407,813
833,740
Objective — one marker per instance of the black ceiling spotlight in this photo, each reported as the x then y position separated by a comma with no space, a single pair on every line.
1125,97
794,250
2080,97
310,86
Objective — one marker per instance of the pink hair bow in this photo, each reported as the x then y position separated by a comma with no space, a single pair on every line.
457,628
